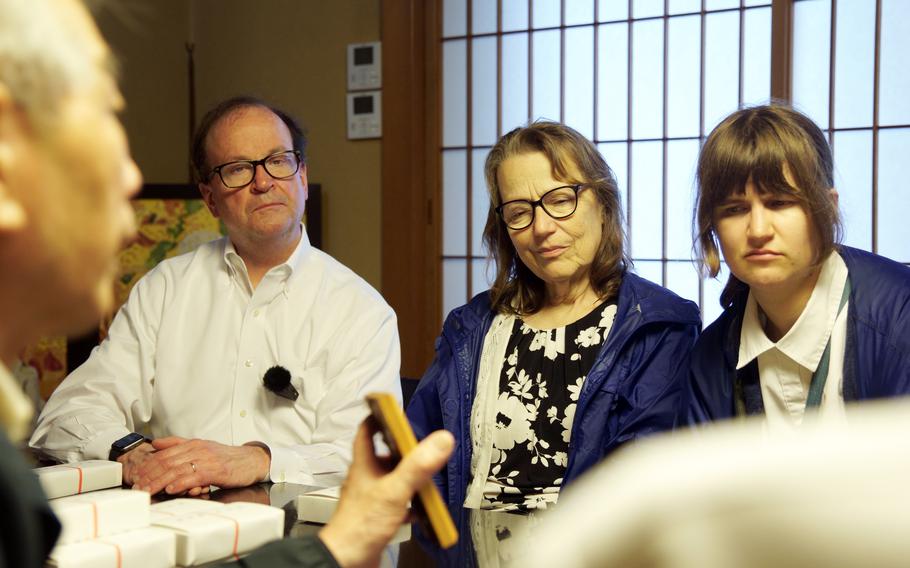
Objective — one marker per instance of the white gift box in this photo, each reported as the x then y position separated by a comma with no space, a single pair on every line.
144,548
216,531
317,506
79,477
183,507
101,513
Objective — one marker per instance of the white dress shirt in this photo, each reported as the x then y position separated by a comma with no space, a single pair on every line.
785,368
187,353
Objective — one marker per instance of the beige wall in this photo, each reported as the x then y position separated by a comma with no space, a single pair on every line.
290,52
148,38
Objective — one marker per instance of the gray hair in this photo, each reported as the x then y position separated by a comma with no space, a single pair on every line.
42,60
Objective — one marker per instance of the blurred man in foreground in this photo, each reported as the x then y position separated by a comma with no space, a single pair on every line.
65,179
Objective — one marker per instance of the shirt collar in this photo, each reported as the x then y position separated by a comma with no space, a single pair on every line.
806,340
15,408
237,268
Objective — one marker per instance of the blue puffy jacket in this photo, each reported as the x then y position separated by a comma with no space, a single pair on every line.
877,352
635,387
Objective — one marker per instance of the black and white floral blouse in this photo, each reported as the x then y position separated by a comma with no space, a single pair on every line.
538,389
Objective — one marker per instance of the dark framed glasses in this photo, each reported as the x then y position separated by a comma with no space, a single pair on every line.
558,203
279,165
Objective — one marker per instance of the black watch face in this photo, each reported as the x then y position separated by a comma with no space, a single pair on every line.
127,442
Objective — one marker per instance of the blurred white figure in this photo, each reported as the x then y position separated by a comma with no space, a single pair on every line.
734,496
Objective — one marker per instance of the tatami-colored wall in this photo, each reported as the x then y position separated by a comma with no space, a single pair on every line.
290,52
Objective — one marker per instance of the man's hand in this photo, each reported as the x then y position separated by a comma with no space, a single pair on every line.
181,466
132,462
374,501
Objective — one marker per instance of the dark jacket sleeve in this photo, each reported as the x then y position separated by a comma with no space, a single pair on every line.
424,412
28,527
709,394
308,552
652,398
881,359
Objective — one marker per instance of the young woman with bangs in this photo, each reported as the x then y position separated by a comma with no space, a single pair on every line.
808,324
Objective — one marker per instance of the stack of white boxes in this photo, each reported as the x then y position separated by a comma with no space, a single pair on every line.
120,528
209,530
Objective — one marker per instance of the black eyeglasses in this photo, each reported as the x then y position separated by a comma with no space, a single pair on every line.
558,203
279,165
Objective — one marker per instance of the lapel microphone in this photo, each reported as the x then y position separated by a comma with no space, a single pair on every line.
278,380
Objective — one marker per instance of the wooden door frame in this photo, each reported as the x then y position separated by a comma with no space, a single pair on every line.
411,175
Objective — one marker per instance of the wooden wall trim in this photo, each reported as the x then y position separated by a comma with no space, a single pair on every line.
410,175
782,50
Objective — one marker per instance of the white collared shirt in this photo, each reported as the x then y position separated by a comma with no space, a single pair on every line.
187,353
785,368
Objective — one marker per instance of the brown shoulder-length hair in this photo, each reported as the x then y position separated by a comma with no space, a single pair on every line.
771,145
574,160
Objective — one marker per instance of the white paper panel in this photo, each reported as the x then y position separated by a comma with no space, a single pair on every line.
514,15
454,202
454,18
480,201
514,72
545,88
454,86
647,79
757,56
645,210
483,16
893,201
613,82
854,58
853,180
721,66
579,87
681,158
483,91
894,92
683,76
454,284
811,57
546,13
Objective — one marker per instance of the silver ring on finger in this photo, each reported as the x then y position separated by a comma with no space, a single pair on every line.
193,465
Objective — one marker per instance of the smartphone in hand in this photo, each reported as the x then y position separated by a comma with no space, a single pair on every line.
429,506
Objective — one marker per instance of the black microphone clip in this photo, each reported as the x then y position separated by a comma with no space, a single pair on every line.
278,380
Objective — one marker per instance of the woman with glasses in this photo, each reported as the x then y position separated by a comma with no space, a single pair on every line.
569,354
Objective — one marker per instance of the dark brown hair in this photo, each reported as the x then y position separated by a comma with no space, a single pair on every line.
516,289
201,168
764,145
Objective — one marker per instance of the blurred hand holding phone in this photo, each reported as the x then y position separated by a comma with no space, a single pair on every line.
429,507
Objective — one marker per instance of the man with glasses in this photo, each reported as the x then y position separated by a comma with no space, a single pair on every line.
244,360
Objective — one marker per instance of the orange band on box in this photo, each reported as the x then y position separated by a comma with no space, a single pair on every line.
94,520
236,533
117,552
79,469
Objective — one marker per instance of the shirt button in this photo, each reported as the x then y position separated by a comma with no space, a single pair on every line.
243,413
248,363
256,313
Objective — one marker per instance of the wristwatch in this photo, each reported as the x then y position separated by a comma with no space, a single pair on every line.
129,442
